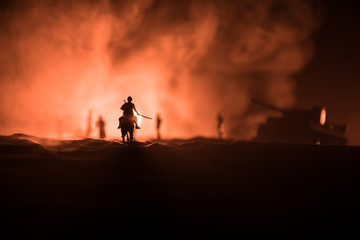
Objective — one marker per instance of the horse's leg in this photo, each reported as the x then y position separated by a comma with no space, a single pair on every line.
123,136
132,134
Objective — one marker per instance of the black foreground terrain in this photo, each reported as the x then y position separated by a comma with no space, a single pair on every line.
194,188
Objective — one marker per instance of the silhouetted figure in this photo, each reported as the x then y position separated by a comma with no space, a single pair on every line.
88,125
220,125
158,123
101,125
128,120
129,108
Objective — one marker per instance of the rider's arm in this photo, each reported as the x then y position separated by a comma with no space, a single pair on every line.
136,110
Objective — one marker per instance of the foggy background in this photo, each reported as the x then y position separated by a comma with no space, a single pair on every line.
332,77
186,60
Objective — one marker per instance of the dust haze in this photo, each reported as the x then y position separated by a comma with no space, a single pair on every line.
186,60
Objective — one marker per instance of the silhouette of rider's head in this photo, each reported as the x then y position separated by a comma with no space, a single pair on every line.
129,98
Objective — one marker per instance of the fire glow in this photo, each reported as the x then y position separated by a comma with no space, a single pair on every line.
184,59
323,116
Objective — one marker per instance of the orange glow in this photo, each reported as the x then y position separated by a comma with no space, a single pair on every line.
186,64
323,117
138,118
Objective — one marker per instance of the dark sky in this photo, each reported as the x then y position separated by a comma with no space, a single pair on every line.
332,77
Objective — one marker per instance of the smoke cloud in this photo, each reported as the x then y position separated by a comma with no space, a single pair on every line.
187,60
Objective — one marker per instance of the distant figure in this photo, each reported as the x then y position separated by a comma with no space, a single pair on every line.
88,125
129,108
220,125
101,125
158,123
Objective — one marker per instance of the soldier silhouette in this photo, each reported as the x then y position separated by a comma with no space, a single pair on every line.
158,123
101,125
129,108
220,125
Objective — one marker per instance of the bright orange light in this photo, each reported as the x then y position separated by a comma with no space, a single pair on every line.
323,117
138,118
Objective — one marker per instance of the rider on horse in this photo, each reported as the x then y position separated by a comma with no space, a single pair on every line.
129,108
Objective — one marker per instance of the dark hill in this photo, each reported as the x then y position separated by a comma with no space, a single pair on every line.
199,187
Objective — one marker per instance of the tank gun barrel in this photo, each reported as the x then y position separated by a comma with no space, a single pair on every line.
267,105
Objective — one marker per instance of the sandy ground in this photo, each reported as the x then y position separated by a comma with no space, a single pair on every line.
179,188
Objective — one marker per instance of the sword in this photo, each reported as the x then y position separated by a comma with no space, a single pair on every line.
145,116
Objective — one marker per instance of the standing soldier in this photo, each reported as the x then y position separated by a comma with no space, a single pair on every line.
101,125
158,123
220,125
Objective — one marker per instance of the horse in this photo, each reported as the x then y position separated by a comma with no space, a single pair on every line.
127,128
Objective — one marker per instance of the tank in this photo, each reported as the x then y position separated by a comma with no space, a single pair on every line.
301,126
